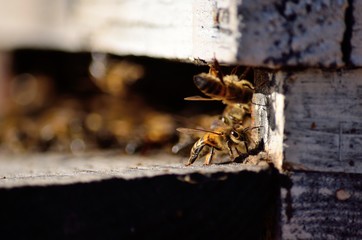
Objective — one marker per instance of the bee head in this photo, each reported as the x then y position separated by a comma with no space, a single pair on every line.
237,137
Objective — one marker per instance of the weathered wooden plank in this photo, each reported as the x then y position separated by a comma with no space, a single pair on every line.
322,119
158,28
324,94
259,33
215,30
355,20
322,206
313,147
311,118
268,112
40,24
55,169
236,205
280,33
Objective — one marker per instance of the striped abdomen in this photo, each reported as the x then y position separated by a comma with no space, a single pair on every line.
210,85
195,151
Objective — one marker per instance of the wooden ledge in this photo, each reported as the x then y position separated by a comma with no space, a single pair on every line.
50,169
158,199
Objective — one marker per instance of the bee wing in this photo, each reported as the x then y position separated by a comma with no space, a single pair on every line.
199,98
195,130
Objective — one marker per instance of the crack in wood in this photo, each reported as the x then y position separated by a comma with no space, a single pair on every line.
346,44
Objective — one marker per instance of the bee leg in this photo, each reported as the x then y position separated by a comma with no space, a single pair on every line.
215,70
209,157
237,150
195,151
246,147
231,154
191,160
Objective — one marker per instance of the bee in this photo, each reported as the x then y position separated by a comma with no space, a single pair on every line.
114,76
61,128
30,93
186,141
158,128
18,134
229,89
226,139
237,114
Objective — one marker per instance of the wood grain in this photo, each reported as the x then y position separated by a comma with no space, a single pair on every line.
286,33
17,170
322,205
356,31
268,112
252,32
164,206
323,119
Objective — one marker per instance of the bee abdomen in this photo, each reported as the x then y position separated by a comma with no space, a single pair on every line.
195,151
209,85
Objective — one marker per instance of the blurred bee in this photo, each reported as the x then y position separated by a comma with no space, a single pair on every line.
156,130
61,128
18,134
234,141
30,93
230,89
237,114
114,76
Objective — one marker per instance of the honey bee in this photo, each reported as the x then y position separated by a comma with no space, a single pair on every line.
229,89
186,141
237,114
114,76
18,135
226,139
30,93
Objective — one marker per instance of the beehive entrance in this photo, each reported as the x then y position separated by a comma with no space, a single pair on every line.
75,103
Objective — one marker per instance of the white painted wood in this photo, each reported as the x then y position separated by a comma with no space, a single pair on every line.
38,24
268,113
215,30
323,126
250,32
153,28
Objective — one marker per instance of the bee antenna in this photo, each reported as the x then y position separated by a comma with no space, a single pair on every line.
252,128
258,104
235,70
246,71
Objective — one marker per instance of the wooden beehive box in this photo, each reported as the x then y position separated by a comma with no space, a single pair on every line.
308,50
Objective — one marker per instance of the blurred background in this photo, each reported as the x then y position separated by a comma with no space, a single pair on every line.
68,84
